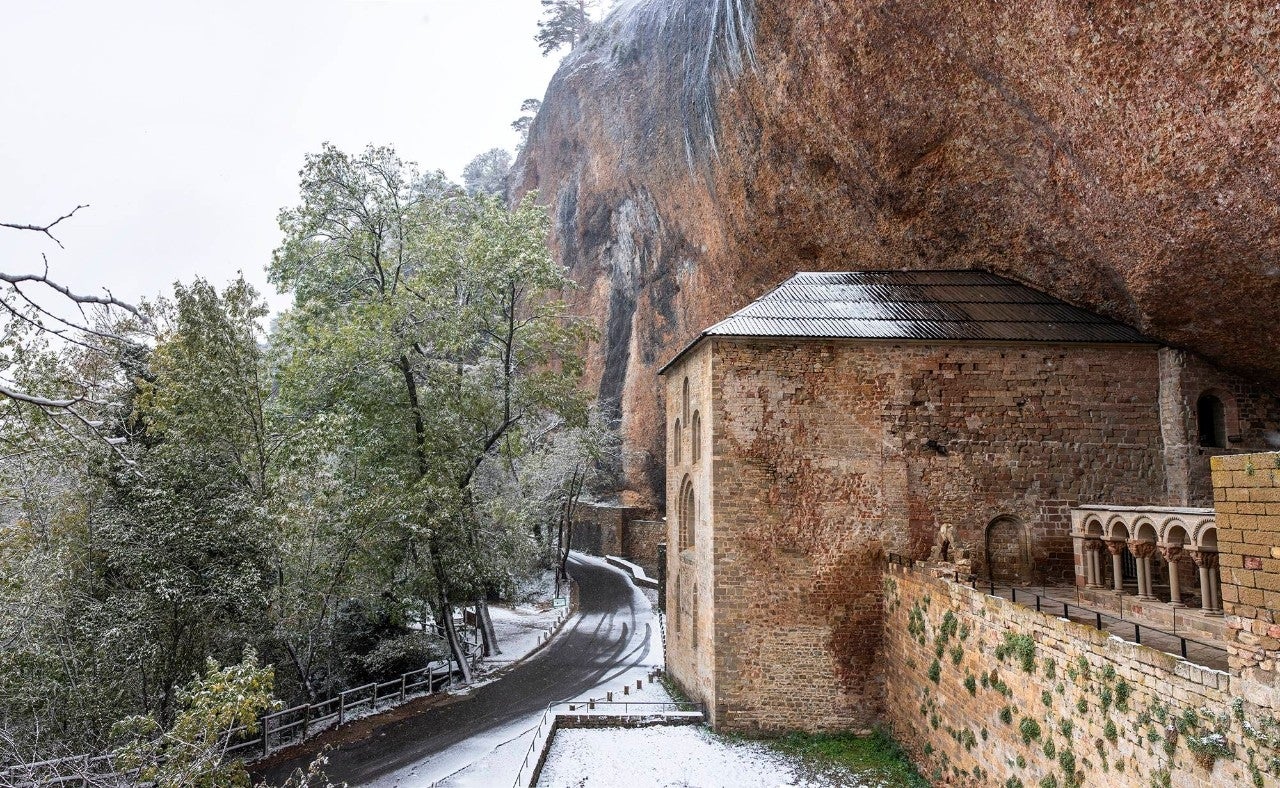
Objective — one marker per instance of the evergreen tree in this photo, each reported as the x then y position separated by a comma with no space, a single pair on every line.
564,22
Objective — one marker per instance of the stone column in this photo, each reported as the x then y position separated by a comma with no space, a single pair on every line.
1093,554
1173,554
1116,548
1142,551
1207,562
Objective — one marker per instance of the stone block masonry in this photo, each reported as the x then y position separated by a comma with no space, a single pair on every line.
1247,505
985,692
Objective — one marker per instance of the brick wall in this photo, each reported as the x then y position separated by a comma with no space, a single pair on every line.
1247,503
606,529
830,454
691,627
961,702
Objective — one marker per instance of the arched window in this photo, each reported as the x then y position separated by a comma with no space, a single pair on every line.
695,435
676,439
1211,417
688,515
684,402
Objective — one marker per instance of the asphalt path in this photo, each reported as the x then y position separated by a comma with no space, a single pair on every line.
609,636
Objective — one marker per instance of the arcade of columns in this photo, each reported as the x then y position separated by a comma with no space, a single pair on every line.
1178,534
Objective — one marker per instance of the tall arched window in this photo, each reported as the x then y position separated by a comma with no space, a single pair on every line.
688,514
695,435
1211,417
684,402
676,439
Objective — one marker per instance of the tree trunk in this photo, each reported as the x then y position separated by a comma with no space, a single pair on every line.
455,645
488,635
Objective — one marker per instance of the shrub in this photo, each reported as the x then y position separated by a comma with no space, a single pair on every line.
1006,715
935,671
970,684
1030,730
1110,732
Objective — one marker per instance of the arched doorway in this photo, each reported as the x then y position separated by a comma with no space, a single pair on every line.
1008,551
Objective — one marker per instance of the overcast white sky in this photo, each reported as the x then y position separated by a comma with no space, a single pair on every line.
183,124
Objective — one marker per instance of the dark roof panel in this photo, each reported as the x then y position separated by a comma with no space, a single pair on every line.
952,305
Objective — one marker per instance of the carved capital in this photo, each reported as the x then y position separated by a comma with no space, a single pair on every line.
1141,549
1114,546
1094,545
1171,552
1205,559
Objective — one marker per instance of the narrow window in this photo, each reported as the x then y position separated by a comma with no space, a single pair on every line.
687,514
684,402
676,439
1211,417
695,435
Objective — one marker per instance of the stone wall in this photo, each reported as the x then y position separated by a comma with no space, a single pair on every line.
691,593
829,455
606,529
1247,493
984,692
640,542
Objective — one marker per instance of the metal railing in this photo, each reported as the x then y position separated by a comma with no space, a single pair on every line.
1209,655
593,707
274,731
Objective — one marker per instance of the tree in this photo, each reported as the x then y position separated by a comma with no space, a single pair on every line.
528,111
183,539
487,173
427,330
564,22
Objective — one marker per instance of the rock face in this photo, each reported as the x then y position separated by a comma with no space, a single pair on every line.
1124,157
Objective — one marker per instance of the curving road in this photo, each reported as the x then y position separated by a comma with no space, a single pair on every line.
611,635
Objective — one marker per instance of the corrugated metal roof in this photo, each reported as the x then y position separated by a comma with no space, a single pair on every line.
918,305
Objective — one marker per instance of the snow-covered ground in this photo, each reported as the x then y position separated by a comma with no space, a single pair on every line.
520,630
687,756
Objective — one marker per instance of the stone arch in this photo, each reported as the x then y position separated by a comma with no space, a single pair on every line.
1145,531
688,514
1094,527
1207,539
1008,550
1176,533
1201,527
1117,528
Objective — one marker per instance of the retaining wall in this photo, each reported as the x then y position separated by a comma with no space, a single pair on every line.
985,692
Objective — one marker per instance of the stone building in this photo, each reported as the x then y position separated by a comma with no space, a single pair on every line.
843,416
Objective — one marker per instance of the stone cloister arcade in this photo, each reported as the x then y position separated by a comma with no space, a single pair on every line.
1121,548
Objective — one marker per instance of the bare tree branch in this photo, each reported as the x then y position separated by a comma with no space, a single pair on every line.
46,228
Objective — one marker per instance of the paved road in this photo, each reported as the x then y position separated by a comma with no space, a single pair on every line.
609,636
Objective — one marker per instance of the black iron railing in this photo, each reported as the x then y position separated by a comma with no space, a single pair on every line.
1191,649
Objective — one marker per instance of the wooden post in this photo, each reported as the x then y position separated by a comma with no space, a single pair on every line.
373,705
402,675
266,741
306,718
342,703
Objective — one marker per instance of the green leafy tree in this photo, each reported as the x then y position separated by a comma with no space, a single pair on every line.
426,333
215,710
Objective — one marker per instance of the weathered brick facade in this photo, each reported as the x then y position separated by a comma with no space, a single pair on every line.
820,456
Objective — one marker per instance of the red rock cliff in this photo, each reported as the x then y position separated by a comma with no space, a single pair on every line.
1121,156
